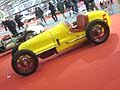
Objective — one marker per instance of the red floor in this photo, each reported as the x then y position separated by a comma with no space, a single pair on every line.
86,68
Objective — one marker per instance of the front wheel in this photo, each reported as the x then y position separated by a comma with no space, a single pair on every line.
28,35
97,31
24,62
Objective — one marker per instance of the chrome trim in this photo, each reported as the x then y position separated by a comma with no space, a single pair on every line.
75,39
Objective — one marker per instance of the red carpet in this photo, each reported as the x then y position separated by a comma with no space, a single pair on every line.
86,68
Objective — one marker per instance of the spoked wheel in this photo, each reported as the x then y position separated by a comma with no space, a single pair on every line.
97,31
24,62
29,35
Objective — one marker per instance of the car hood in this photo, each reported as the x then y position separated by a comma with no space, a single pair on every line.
41,42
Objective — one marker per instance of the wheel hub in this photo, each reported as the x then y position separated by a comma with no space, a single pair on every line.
97,32
25,63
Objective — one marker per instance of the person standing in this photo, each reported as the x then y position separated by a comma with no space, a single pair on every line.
4,25
18,20
75,6
11,26
86,2
39,14
68,5
60,7
53,10
90,4
93,4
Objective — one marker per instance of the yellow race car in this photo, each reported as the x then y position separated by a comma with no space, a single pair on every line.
92,26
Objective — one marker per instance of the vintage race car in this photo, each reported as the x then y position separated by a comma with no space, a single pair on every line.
92,26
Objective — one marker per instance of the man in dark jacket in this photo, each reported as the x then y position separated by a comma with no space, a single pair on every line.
89,3
53,10
39,14
68,5
4,24
18,20
75,6
11,26
60,7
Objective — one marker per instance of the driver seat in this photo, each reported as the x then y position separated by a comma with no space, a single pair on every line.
80,23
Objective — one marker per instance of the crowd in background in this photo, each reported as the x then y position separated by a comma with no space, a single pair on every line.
60,7
12,24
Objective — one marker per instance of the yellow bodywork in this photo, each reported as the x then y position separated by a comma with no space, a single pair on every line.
102,15
60,37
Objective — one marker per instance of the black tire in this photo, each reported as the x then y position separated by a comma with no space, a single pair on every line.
97,31
28,35
24,62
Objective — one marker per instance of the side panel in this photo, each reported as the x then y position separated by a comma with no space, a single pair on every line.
65,38
39,43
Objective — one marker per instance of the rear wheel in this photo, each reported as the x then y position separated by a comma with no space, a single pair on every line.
24,62
97,31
